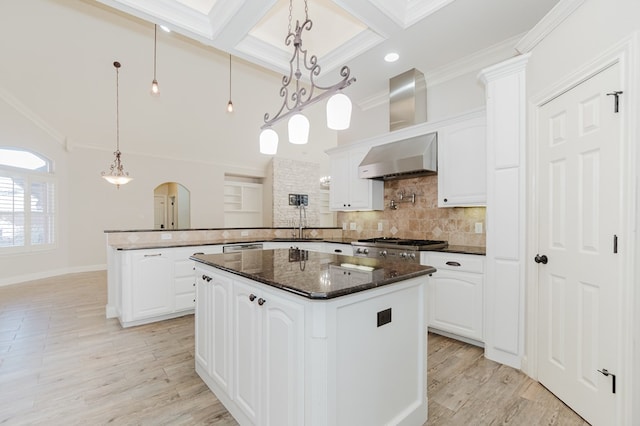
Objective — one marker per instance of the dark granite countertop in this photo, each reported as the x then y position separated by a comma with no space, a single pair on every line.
480,251
311,274
216,242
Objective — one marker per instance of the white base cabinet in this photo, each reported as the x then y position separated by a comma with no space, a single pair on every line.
155,284
456,294
274,358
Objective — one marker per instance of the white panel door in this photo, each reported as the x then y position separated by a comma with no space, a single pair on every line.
579,214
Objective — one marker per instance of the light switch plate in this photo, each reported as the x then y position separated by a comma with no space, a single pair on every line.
353,226
478,227
379,226
165,236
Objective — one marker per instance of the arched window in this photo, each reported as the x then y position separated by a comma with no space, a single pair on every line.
27,214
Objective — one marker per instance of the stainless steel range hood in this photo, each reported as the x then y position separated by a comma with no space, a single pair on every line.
413,157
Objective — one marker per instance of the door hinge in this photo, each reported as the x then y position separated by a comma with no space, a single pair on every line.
606,373
615,244
616,102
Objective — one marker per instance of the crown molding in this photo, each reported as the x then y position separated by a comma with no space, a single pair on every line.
412,12
547,24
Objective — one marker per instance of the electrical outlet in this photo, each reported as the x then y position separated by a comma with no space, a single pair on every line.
379,226
244,233
165,236
353,226
478,227
344,226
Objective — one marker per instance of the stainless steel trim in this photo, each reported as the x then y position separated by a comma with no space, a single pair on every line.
241,247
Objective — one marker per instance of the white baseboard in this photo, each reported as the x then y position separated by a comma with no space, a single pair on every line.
19,279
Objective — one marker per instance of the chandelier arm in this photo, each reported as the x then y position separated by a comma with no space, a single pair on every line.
281,116
302,97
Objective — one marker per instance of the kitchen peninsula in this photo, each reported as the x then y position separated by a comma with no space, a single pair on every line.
293,337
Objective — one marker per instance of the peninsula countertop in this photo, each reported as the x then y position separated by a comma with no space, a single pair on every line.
313,275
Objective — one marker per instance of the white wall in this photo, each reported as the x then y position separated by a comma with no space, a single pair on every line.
56,73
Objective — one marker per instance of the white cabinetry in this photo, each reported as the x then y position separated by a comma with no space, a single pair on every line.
456,294
264,352
297,361
149,284
348,191
157,284
212,324
462,166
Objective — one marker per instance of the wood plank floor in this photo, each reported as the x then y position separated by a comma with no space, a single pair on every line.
63,363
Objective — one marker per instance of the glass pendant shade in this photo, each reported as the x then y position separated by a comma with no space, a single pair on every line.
339,112
268,142
117,180
298,129
230,106
155,88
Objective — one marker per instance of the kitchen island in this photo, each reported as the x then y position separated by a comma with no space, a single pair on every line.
292,337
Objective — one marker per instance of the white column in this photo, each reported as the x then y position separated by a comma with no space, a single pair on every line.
506,218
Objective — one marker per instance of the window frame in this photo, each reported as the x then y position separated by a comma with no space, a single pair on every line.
31,177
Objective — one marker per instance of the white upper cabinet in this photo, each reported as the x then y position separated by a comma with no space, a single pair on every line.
348,191
462,166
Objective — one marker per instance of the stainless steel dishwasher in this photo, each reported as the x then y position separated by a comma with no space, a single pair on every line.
244,257
241,247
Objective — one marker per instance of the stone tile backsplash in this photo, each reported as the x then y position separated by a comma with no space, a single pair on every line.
422,220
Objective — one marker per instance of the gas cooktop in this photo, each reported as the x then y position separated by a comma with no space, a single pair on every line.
390,242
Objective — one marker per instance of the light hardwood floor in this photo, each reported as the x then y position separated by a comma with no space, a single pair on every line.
63,363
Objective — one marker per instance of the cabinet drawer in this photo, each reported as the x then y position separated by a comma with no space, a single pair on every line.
185,301
184,268
456,262
185,284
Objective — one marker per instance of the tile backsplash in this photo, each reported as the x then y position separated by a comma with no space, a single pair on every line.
420,220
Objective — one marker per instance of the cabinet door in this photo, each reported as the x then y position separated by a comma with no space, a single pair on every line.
282,365
359,189
246,350
455,303
340,178
203,319
220,326
462,166
152,284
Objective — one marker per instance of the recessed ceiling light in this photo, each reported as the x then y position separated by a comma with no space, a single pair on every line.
391,57
165,28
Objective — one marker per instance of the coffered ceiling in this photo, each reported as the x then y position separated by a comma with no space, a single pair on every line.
428,34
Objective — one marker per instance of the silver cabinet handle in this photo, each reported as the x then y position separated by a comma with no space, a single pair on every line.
452,263
153,255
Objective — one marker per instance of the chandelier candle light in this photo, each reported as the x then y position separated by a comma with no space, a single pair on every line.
116,174
297,98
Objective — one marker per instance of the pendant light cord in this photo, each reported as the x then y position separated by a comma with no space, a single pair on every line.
155,44
229,77
117,65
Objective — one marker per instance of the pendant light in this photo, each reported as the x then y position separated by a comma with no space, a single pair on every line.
155,88
298,97
230,104
116,174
